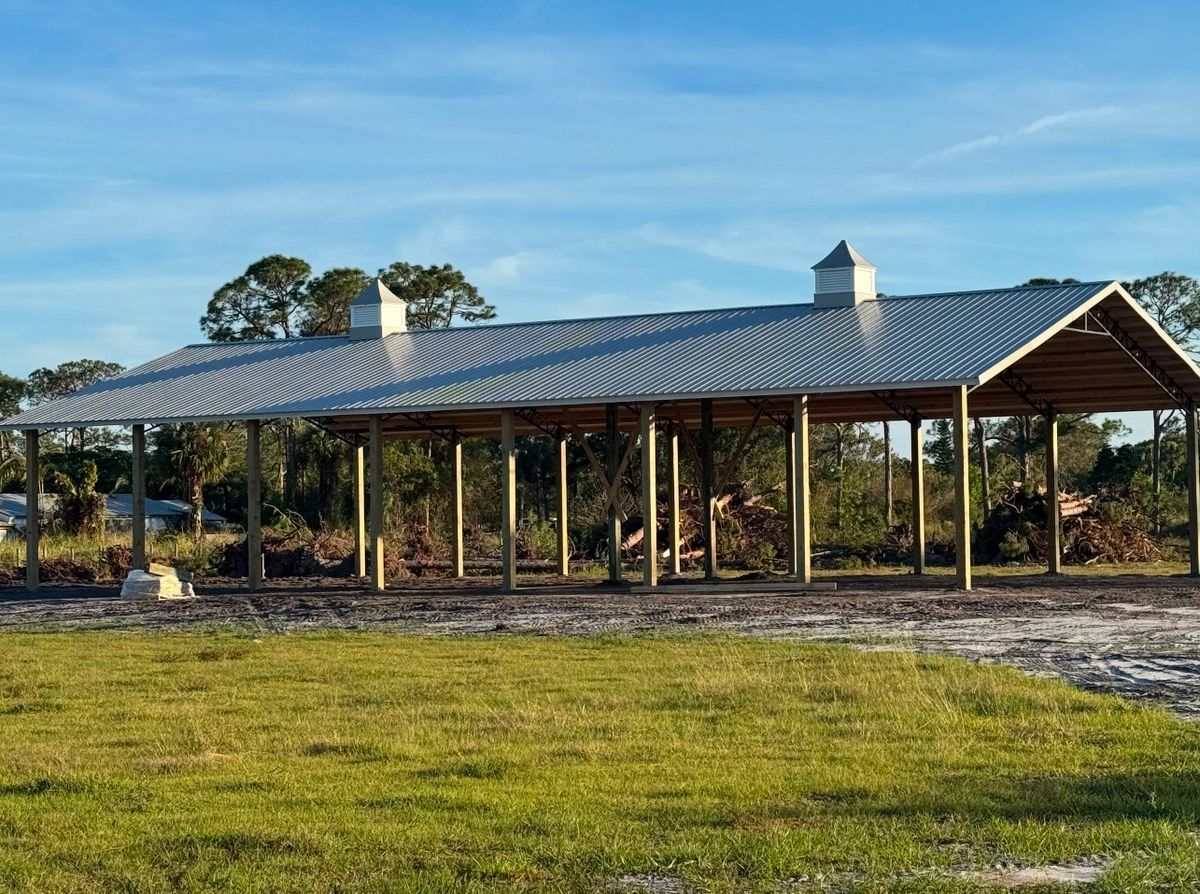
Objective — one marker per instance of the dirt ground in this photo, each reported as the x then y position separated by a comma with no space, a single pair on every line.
1132,635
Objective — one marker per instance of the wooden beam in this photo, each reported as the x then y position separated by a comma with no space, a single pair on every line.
693,452
802,520
789,485
726,472
708,494
962,488
1053,520
649,498
917,434
1193,480
33,515
360,510
673,518
376,447
614,486
254,550
615,470
564,538
888,505
508,501
138,487
456,502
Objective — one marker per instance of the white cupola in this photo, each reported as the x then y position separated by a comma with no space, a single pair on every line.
844,278
377,312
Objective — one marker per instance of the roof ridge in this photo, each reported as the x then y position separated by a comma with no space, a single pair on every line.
563,321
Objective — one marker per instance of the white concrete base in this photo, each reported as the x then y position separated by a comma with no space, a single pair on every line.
144,585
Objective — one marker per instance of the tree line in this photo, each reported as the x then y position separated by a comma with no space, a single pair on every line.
859,483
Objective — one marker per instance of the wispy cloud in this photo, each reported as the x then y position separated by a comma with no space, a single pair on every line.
1001,138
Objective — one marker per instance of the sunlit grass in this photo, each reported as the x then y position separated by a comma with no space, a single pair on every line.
364,762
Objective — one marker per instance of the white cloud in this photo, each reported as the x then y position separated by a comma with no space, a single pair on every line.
1046,122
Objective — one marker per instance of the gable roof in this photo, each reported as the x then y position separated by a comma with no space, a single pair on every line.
919,341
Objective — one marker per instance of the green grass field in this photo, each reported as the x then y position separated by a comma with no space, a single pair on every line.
379,763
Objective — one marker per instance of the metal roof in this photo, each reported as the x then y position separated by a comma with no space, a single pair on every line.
13,508
897,342
843,255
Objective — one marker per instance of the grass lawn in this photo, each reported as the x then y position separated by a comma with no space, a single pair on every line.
362,762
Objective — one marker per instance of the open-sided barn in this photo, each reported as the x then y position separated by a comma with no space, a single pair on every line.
848,355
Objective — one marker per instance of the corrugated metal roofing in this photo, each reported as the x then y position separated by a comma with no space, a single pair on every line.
950,338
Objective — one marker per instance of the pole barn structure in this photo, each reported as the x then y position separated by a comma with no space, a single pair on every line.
847,356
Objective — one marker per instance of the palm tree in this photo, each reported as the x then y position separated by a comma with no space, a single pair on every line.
201,456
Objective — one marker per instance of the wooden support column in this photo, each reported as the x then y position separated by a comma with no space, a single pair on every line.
802,514
138,486
254,552
508,501
962,488
613,454
1053,519
888,513
456,501
33,519
649,498
564,539
1193,479
360,510
917,434
708,490
673,498
376,463
789,480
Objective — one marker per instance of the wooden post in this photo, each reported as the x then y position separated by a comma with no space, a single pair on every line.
456,482
376,463
802,517
649,499
33,527
508,501
1193,478
254,551
1053,515
789,481
918,495
360,511
889,516
962,488
708,490
138,487
613,455
564,538
673,498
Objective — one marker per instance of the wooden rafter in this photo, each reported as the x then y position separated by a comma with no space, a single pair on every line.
892,401
783,420
427,422
1140,356
1027,393
540,422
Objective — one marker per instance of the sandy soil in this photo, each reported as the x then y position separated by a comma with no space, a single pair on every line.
1136,636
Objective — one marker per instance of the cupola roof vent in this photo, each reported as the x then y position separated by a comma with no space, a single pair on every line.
844,278
377,312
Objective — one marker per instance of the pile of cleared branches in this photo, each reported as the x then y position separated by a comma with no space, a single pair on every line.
1015,531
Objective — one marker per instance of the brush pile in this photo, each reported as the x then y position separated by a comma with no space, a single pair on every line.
1015,531
294,552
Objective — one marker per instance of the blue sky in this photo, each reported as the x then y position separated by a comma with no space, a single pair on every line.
578,159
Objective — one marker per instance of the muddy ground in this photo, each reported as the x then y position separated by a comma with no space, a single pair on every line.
1135,636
